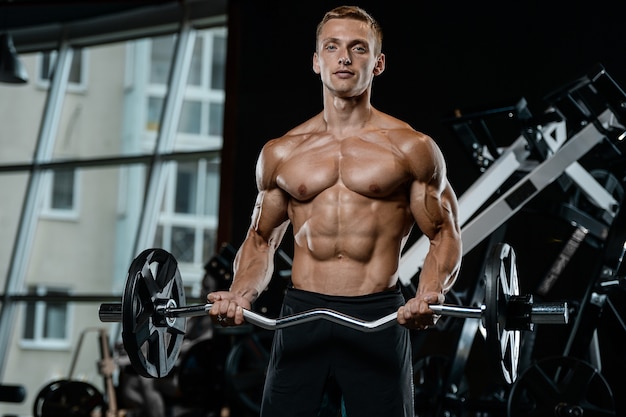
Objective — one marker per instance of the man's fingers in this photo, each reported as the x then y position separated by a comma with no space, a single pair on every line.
239,319
416,313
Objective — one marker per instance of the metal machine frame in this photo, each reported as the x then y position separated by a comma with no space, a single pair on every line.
561,157
582,116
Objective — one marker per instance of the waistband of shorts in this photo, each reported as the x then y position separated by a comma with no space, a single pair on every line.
319,298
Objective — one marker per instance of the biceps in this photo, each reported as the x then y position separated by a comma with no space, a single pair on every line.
269,217
435,209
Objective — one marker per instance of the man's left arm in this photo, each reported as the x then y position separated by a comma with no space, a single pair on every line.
435,209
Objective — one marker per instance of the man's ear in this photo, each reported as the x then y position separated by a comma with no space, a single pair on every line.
316,64
380,65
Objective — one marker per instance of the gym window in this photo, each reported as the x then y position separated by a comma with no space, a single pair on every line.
188,218
82,160
201,119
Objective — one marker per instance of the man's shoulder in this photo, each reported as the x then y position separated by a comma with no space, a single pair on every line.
293,137
403,136
398,129
311,126
298,133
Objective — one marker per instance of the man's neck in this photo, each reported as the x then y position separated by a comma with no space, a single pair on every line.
345,114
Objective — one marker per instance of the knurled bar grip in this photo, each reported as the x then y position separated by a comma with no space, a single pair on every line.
541,313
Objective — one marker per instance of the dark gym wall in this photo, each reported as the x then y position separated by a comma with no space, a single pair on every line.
441,55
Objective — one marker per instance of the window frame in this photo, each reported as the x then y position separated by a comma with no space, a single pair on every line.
204,93
200,221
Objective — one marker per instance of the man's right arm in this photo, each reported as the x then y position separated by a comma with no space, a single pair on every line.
254,261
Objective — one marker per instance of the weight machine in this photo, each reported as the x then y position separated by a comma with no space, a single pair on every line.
585,115
595,104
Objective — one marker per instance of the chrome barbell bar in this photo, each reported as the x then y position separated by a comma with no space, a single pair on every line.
549,313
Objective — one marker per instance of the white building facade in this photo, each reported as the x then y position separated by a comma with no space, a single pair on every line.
119,153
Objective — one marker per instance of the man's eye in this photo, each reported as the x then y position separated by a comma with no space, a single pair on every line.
359,49
331,47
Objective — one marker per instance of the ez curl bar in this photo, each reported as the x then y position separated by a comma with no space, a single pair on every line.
153,313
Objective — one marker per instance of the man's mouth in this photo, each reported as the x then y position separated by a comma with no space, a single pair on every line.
344,74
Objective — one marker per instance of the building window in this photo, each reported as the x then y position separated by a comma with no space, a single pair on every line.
46,323
216,119
161,55
61,198
218,61
76,82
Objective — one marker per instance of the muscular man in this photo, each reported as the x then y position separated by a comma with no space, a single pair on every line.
352,181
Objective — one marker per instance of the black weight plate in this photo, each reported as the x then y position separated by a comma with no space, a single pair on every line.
560,386
501,282
67,398
152,342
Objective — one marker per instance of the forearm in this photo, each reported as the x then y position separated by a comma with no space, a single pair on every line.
439,272
253,267
442,263
438,219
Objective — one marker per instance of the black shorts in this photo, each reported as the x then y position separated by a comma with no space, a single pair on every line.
372,370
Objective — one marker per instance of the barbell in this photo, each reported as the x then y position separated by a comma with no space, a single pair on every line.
153,313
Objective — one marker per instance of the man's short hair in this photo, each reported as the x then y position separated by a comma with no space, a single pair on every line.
356,13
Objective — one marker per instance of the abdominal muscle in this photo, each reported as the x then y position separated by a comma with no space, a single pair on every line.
346,243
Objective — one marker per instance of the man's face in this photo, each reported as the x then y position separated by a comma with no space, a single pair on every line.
345,57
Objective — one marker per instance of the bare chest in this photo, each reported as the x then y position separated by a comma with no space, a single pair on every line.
369,169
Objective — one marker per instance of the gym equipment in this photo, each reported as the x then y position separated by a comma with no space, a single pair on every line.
589,112
12,393
67,398
153,315
508,312
560,386
433,396
73,398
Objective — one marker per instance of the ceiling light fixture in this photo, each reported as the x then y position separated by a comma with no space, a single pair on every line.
11,68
